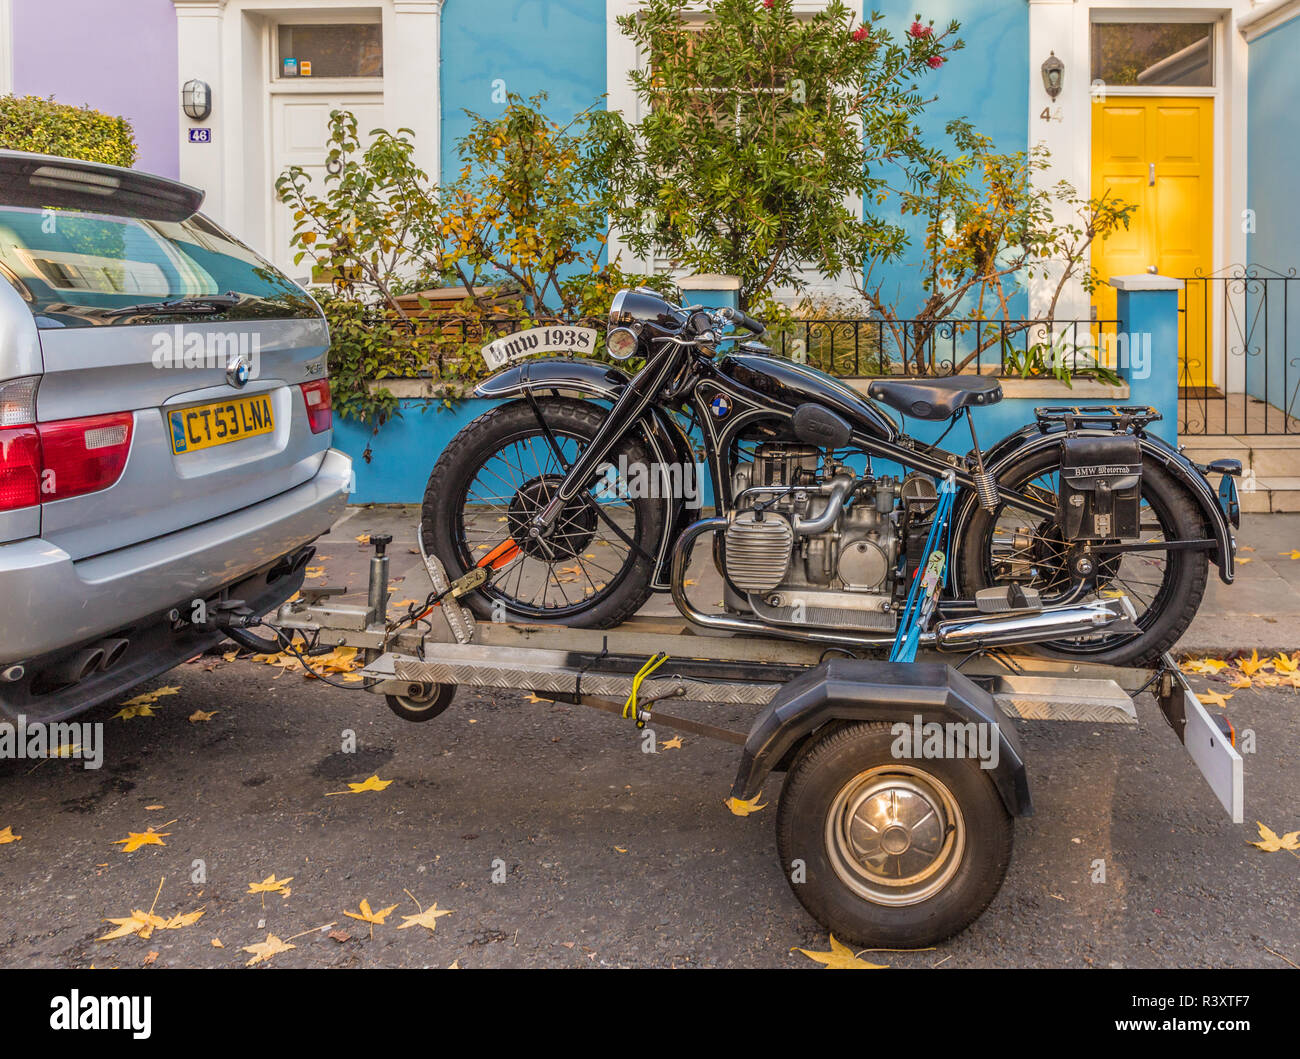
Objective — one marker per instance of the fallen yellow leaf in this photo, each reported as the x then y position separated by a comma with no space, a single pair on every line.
1252,665
1271,843
841,958
428,917
374,783
135,839
264,950
7,836
675,743
198,716
743,808
367,916
1212,698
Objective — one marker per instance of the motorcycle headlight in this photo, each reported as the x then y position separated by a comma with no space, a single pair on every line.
621,342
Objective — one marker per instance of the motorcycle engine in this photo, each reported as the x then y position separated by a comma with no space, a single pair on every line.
812,541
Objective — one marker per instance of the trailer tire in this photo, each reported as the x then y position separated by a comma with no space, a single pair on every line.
949,840
424,703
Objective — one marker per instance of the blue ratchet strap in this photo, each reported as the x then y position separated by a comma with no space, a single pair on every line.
630,708
926,583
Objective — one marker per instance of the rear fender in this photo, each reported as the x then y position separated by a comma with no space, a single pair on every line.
1031,440
843,690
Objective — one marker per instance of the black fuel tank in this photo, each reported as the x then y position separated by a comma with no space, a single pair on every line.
795,384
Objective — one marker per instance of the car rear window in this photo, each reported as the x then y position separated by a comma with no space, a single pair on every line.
78,269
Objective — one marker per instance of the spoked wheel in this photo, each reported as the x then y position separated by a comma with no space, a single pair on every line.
594,568
888,852
1012,544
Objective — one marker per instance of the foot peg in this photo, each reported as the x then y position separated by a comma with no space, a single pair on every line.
1004,598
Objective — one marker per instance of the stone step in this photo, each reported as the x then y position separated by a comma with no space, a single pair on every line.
1270,466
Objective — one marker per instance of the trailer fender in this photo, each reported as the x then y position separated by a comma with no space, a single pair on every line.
847,690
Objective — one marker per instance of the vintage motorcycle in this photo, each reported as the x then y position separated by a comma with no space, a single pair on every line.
580,495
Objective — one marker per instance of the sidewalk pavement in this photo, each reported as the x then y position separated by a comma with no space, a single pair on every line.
1259,611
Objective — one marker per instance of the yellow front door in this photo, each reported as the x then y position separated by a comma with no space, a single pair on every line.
1158,152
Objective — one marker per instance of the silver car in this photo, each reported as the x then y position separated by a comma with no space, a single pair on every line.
165,428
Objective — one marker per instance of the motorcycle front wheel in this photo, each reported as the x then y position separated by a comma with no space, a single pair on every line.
1165,586
594,569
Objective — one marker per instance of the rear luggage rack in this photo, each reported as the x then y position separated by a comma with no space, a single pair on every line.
1110,417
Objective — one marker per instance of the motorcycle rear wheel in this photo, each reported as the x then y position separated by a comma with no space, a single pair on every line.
1165,586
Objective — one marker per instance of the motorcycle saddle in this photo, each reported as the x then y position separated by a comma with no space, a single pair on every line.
936,398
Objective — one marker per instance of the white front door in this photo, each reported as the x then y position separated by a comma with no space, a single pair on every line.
299,129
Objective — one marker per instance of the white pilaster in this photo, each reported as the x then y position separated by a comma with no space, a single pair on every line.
199,53
412,61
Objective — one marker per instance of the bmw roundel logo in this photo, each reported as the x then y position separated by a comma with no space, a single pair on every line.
239,371
720,406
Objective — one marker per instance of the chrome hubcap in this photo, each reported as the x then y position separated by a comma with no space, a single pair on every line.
895,835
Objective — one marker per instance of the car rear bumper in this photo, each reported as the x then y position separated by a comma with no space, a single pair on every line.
52,602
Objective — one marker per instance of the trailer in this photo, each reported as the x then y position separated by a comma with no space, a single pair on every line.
902,780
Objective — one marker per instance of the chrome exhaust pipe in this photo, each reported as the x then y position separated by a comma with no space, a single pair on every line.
113,652
1050,623
76,667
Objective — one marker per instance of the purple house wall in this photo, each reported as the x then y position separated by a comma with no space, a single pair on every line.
114,57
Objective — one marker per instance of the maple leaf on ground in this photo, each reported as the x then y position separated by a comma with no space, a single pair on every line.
367,916
1212,698
1294,553
427,917
1285,664
1252,665
127,712
675,743
1241,682
270,885
198,716
7,835
374,783
841,958
264,950
216,943
1272,843
741,807
149,698
185,919
139,922
152,837
1207,666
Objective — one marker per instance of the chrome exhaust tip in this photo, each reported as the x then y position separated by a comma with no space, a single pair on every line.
76,667
113,651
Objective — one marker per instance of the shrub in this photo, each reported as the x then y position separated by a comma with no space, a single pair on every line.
30,123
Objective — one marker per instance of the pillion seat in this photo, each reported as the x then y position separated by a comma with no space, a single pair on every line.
936,398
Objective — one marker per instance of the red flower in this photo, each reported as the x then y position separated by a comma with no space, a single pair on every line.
861,33
935,61
918,30
767,4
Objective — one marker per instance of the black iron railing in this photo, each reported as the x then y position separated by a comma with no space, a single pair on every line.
1239,371
859,347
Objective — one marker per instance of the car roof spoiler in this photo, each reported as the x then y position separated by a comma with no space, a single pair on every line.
42,180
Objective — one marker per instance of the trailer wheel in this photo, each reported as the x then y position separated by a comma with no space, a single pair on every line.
887,852
422,702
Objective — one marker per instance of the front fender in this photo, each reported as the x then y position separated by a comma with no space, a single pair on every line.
668,444
1030,440
856,690
556,374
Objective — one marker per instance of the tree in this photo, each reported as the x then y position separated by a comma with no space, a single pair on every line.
761,131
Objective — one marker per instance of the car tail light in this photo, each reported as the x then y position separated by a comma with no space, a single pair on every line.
319,410
40,462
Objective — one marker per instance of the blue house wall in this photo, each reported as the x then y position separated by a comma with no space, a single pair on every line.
1273,160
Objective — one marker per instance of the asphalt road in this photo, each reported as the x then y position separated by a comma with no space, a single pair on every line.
607,856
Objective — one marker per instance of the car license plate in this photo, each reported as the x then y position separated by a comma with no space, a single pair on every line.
207,425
